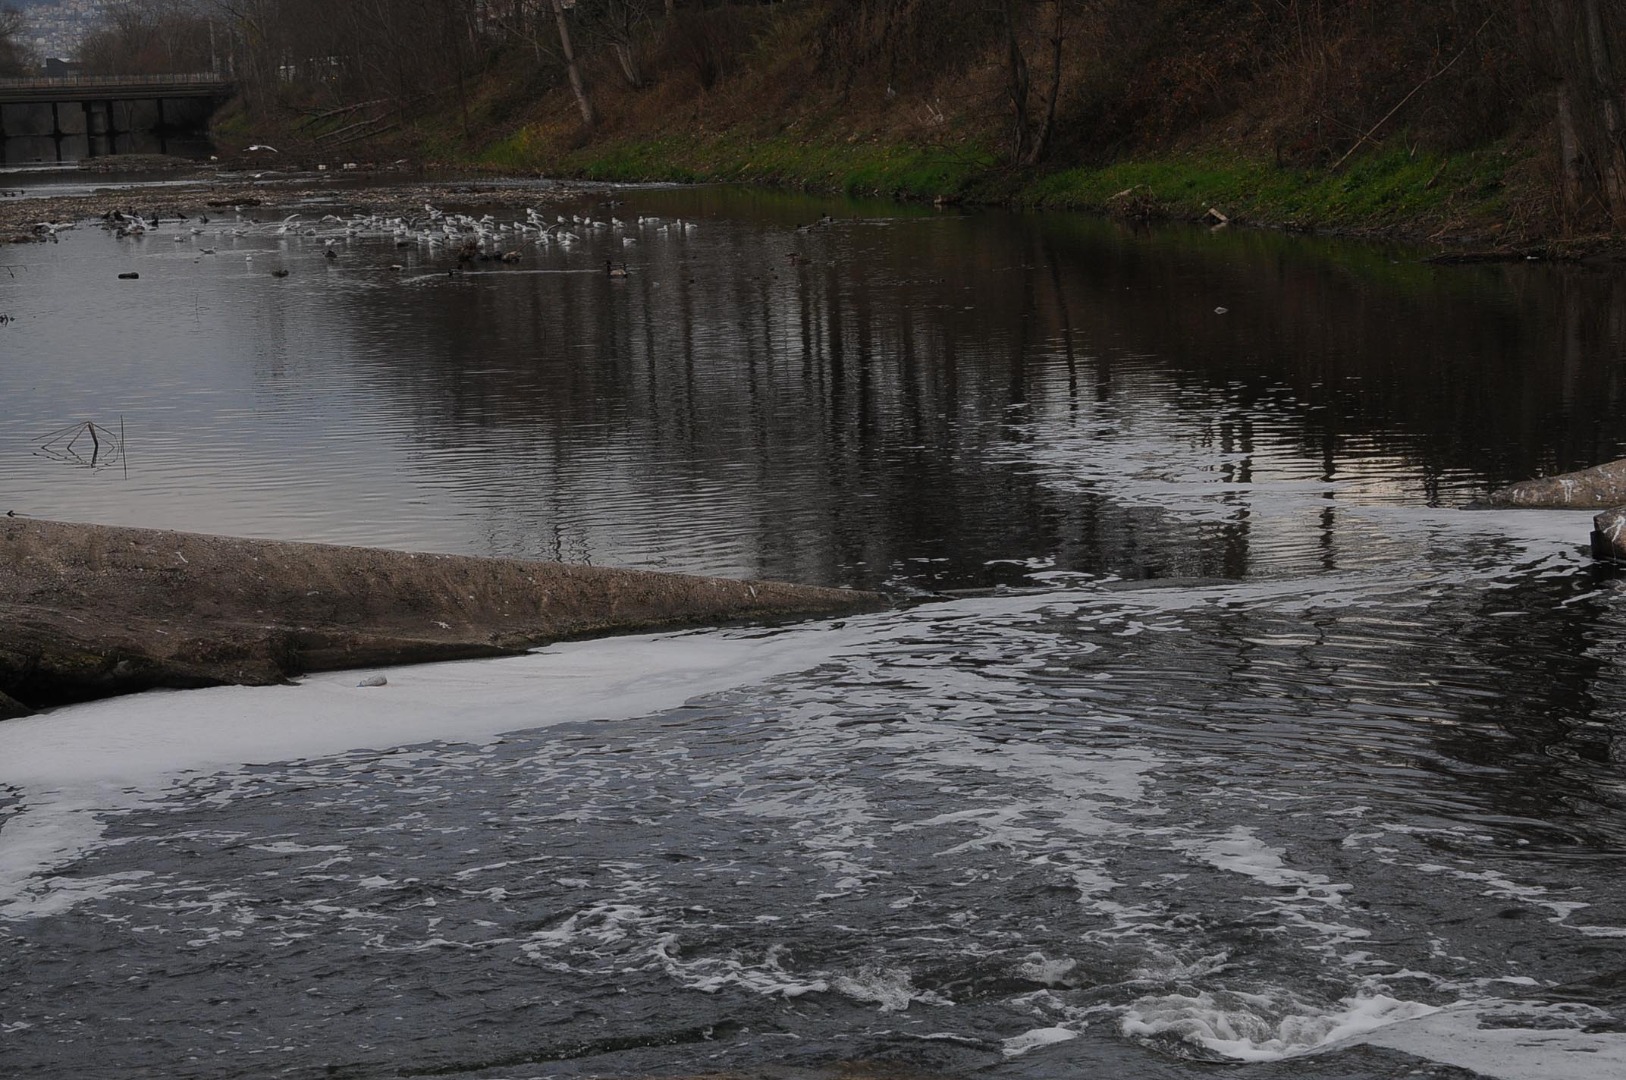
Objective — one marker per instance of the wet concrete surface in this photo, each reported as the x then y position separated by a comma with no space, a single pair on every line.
90,611
1597,488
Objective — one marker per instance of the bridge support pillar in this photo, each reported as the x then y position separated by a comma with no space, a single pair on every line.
98,118
69,119
26,120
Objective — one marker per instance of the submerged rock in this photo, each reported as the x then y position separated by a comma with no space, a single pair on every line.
90,611
1597,488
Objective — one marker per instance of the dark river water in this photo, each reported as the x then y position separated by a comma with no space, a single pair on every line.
1215,733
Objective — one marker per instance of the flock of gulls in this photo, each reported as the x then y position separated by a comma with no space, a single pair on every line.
433,232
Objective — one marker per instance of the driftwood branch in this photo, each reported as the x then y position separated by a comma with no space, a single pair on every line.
367,134
369,122
342,110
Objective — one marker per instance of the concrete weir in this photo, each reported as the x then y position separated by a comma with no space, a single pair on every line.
89,611
1596,488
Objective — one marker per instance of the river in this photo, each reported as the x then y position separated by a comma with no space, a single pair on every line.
1211,727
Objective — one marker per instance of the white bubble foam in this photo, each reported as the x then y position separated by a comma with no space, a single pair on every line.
892,989
1239,851
1032,1040
1508,1049
1261,1027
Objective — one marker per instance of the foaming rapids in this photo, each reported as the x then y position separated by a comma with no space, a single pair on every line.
1229,821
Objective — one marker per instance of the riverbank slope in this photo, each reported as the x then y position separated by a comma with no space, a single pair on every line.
1432,123
91,611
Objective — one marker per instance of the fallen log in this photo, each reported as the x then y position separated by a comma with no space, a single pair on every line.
89,611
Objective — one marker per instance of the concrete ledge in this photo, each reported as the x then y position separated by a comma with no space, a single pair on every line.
12,709
89,611
1609,535
1597,488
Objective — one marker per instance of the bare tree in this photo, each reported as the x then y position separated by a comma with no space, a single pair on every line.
15,58
142,37
621,23
572,68
1029,144
1586,38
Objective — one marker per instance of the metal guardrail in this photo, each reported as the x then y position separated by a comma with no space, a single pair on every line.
76,82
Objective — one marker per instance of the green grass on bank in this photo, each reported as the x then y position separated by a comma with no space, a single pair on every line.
1390,188
1387,189
855,168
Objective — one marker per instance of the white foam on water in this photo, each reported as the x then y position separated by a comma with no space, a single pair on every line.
1046,971
1259,1027
1241,852
599,924
1032,1040
288,847
1502,887
1508,1049
74,766
710,974
891,989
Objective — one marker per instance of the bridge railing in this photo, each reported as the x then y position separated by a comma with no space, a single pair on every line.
72,82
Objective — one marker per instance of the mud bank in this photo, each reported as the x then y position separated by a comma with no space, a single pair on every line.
208,193
90,611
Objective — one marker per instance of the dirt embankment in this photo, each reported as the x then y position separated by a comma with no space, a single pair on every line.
90,611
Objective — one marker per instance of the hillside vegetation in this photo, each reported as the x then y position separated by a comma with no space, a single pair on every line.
1500,121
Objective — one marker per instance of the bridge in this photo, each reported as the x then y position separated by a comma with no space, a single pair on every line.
99,106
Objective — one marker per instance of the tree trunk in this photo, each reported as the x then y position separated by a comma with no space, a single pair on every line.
577,86
1612,151
1041,141
1017,84
626,55
1573,180
1591,112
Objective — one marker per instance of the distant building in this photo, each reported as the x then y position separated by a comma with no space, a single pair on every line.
58,29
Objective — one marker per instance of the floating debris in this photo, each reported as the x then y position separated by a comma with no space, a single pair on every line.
129,275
